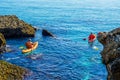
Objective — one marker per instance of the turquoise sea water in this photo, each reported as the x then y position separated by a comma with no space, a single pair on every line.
68,57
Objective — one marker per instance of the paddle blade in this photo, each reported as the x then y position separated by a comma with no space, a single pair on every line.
21,47
95,48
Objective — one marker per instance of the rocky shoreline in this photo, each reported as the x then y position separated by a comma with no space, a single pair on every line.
12,27
111,52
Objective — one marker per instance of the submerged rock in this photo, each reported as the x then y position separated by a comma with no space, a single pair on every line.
47,33
11,72
111,52
35,56
11,26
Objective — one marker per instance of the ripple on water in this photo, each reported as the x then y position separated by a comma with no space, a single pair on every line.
68,57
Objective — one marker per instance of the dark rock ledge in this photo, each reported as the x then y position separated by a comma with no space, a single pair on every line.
47,33
111,52
11,26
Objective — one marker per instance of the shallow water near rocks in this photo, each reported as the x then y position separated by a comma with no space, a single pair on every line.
68,57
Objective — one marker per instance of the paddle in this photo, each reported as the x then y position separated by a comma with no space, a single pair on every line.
95,48
21,47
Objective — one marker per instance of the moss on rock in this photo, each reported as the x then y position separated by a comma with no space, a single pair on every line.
10,71
12,26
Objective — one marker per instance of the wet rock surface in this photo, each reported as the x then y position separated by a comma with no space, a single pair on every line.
111,52
12,26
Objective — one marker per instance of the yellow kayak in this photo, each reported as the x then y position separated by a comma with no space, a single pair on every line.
35,45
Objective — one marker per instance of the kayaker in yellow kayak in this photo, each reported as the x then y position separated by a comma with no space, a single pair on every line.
29,44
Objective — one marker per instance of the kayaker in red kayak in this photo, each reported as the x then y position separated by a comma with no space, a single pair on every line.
29,44
91,38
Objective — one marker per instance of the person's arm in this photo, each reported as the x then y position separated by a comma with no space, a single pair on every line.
94,37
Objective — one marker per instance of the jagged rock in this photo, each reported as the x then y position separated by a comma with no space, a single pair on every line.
111,52
102,37
11,26
115,69
2,43
47,33
11,72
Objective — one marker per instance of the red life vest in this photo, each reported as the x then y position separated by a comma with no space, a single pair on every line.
91,37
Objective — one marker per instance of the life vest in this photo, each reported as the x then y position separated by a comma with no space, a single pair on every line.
92,37
29,45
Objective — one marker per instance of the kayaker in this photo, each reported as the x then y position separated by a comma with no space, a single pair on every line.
91,39
29,44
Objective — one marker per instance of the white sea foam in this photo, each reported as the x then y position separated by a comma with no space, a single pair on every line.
12,58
